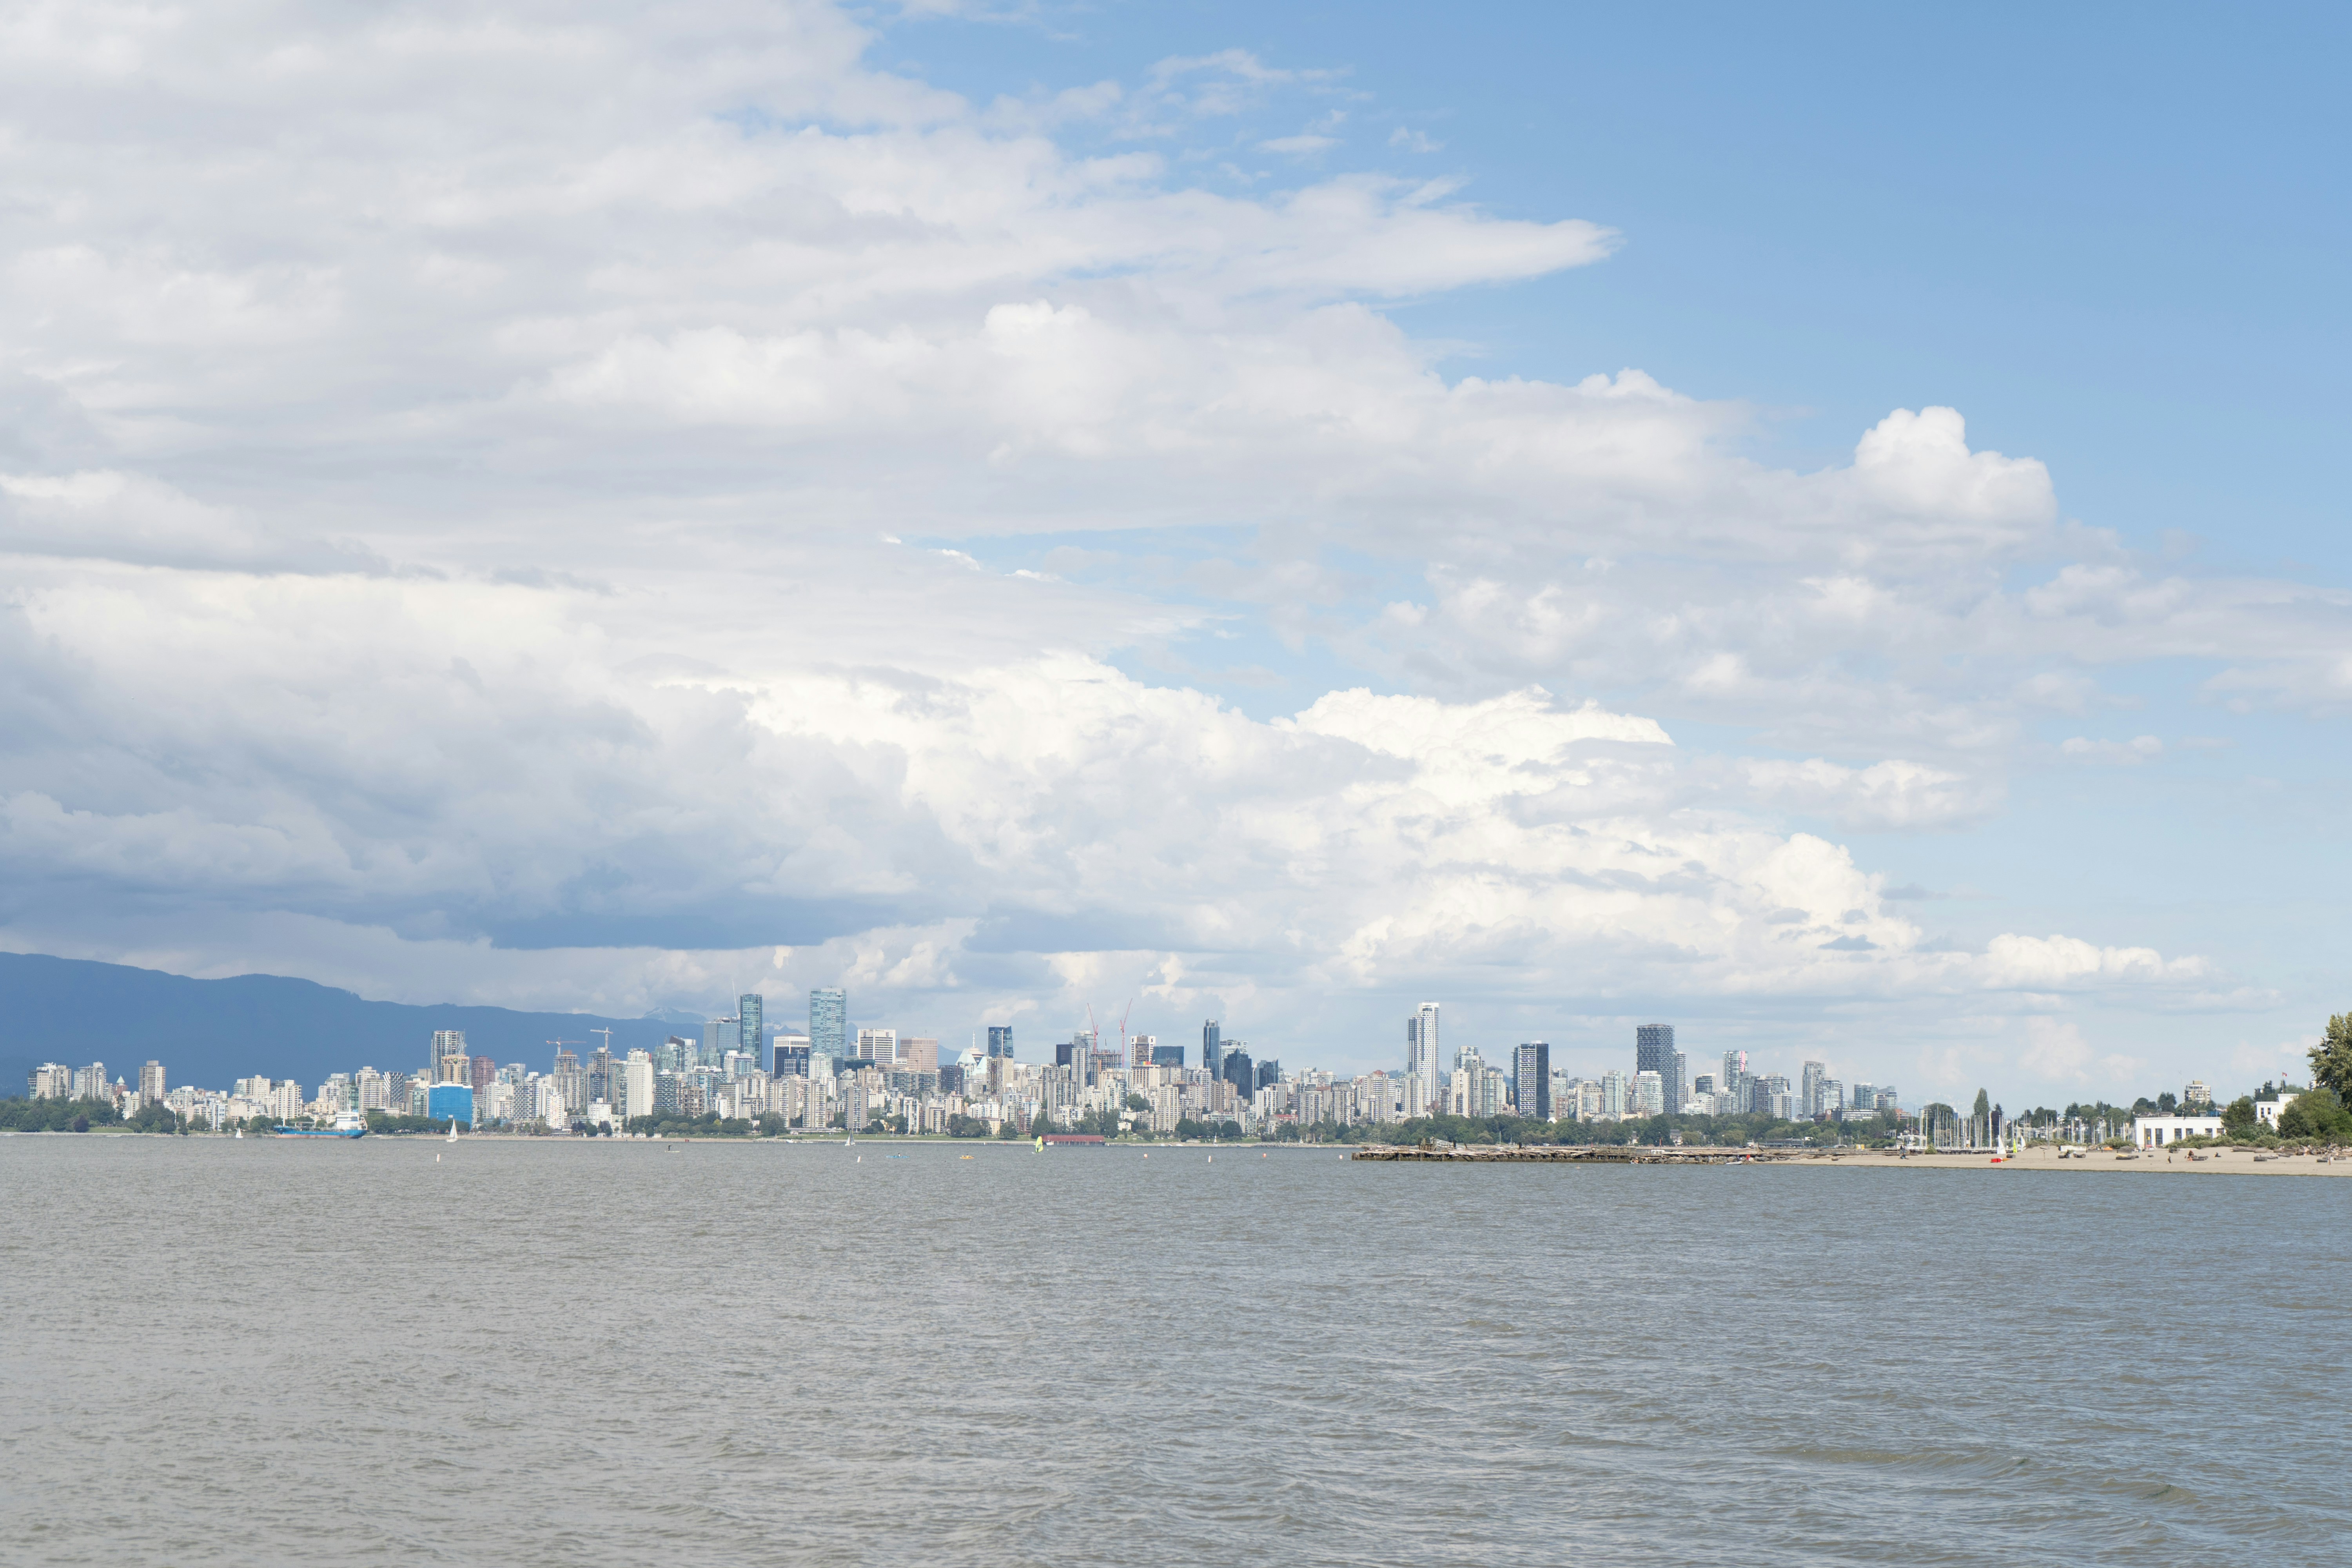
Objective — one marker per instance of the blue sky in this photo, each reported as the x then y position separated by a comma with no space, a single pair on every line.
2111,234
1227,506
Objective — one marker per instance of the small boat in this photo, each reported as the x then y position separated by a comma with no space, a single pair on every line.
240,1132
453,1130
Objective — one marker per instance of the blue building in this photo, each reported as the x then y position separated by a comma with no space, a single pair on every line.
445,1101
829,1024
750,1038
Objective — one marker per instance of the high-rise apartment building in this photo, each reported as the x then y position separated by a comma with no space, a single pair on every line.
1213,1050
828,1027
1812,1080
1734,1081
1140,1049
1612,1094
1649,1095
920,1053
632,1086
2196,1094
1531,1080
1167,1056
480,1073
879,1047
1654,1052
150,1084
751,1028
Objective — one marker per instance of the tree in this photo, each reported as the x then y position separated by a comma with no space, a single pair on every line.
2331,1059
1137,1104
2238,1117
2316,1113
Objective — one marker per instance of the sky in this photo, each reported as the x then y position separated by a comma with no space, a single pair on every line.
1819,527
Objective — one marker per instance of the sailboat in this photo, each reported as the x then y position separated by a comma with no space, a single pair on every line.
453,1130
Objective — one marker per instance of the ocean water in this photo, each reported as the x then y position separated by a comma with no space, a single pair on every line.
609,1353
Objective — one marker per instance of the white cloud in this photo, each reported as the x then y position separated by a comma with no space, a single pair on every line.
459,519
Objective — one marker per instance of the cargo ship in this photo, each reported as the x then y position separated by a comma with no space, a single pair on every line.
348,1124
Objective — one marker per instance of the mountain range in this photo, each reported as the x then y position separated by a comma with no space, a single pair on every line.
211,1032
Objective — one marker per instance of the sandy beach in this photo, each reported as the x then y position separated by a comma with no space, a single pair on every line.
2208,1162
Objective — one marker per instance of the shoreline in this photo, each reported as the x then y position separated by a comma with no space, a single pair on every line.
2042,1158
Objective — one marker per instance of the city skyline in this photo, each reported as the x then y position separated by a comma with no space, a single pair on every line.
736,1067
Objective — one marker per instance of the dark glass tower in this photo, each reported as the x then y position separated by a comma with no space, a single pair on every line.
1212,1049
1654,1051
1531,1080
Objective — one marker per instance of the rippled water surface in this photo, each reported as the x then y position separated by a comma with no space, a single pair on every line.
590,1352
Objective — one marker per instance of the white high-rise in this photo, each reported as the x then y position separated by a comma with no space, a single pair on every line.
1421,1042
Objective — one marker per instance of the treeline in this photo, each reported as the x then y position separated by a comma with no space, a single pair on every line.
59,1115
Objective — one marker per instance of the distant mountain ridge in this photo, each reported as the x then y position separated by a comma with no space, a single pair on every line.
211,1032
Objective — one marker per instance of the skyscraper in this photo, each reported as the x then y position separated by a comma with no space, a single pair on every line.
1654,1051
1531,1080
151,1083
1812,1079
750,1036
1213,1050
447,1043
1237,1070
828,1027
999,1040
1421,1044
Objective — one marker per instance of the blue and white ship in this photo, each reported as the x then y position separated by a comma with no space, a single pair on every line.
348,1124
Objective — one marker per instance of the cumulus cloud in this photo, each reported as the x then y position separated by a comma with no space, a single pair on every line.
455,547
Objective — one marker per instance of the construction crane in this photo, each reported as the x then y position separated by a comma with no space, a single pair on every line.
559,1045
608,1039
